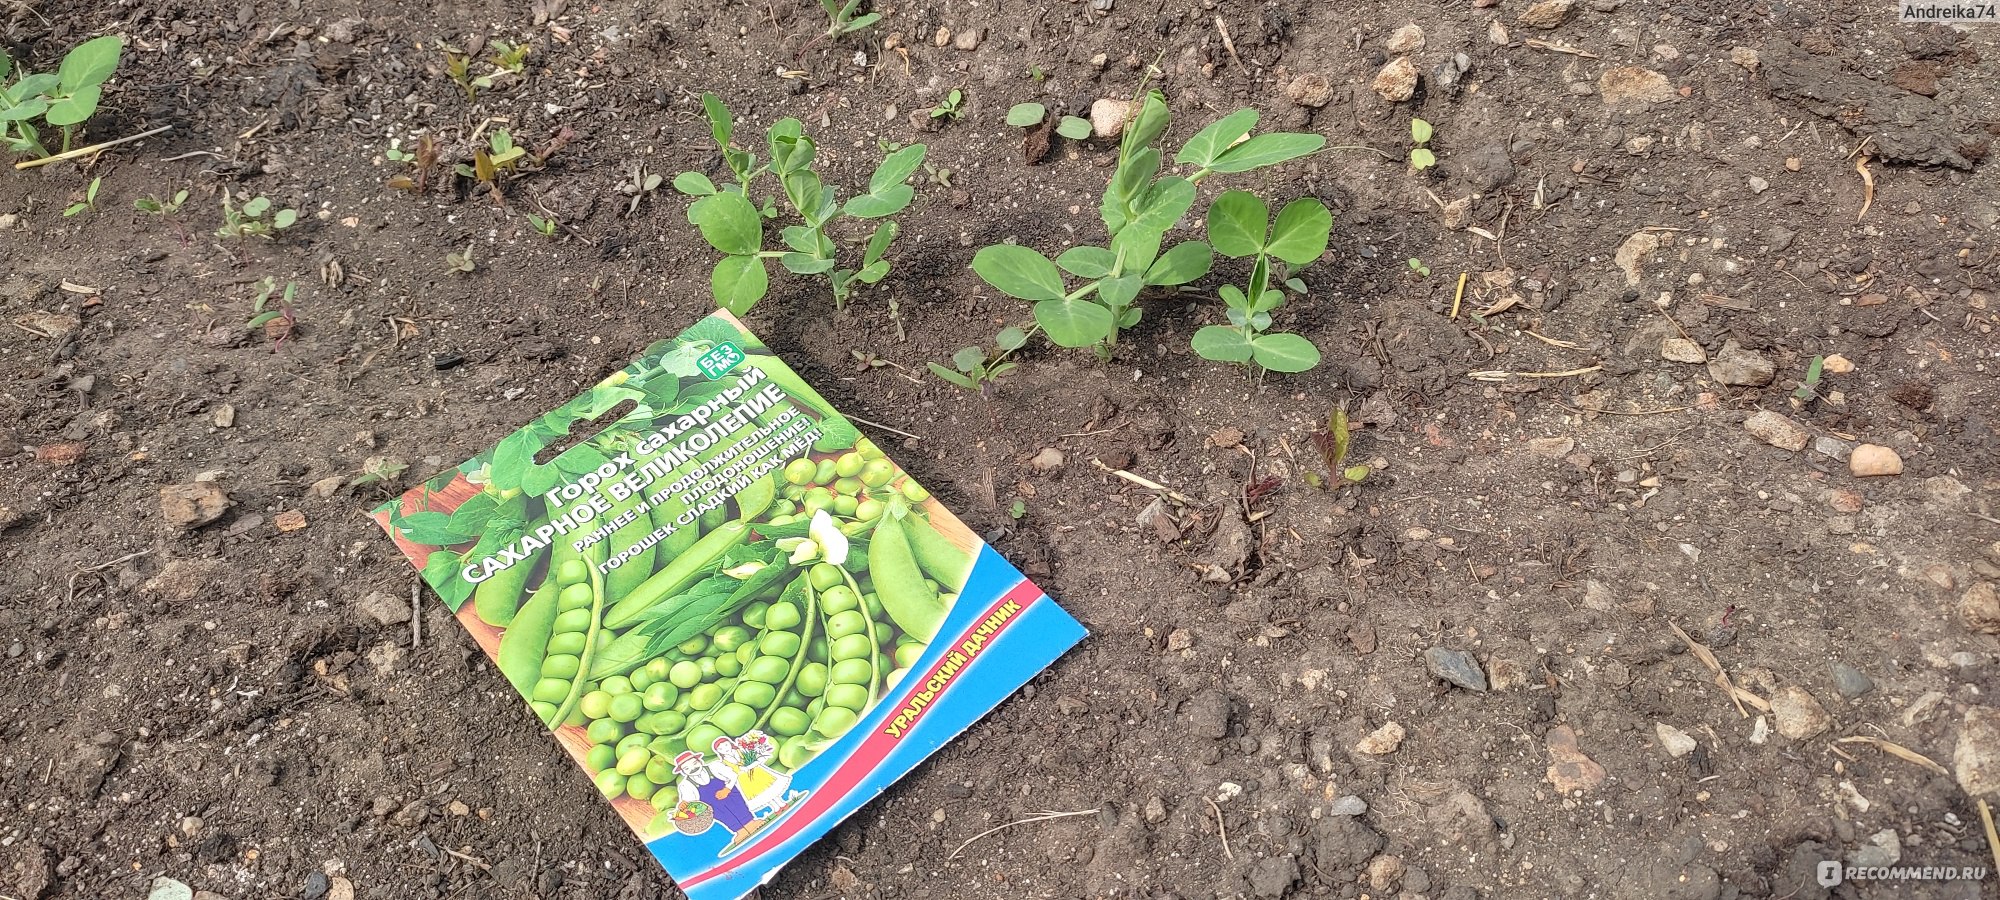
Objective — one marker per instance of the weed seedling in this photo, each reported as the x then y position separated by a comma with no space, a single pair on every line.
640,185
1418,269
1333,445
89,199
975,368
1809,388
1139,206
63,99
843,19
460,262
1421,157
274,317
733,224
159,207
423,159
544,227
1018,510
951,108
1239,226
251,218
1031,115
510,58
1037,74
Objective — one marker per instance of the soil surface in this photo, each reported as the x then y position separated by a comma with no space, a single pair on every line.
1654,208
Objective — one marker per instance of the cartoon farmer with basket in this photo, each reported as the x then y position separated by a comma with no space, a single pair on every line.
712,788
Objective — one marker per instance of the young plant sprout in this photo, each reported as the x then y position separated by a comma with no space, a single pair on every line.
1421,157
63,99
89,199
1031,115
951,107
1239,226
254,218
975,368
159,207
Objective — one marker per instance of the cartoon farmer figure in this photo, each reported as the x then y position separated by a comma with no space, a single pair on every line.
714,785
765,791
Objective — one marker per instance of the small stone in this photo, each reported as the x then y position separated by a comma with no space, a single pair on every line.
1633,253
1496,33
1745,57
224,416
1798,715
1310,89
1850,682
1793,163
1407,39
315,887
192,505
1884,849
1108,117
1760,731
1048,460
1827,445
1845,502
1506,674
8,221
1682,350
1397,81
1382,741
1347,805
1156,810
1635,87
969,39
1384,871
1976,760
1836,365
1676,741
1758,185
1777,430
1738,367
384,608
1457,667
1552,447
1569,769
943,37
1874,459
1099,61
1548,13
1979,608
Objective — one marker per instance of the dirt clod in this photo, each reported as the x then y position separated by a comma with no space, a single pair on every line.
1737,367
1397,81
1381,741
383,608
1310,89
1777,430
1548,13
1798,715
1569,769
1631,86
1976,758
192,505
1979,608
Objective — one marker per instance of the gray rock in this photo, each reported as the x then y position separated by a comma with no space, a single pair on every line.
1741,368
1457,667
1850,682
1798,715
1207,714
1976,760
383,608
1884,848
1272,876
1348,805
1832,446
1487,167
315,887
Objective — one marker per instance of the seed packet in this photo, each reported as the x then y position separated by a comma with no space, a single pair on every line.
738,615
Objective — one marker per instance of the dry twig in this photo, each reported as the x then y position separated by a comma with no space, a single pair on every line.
1041,818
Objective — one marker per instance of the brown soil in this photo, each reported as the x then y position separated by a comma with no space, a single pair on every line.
218,705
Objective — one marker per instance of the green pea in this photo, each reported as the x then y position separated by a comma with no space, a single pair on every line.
792,492
795,700
701,738
665,721
600,757
823,576
633,761
767,669
847,696
867,448
729,637
816,499
684,675
755,694
627,743
847,487
842,624
788,721
574,620
685,704
779,643
728,666
572,571
665,800
783,520
575,718
562,666
660,770
800,471
834,721
813,708
878,472
839,599
851,671
596,704
551,690
868,509
873,604
853,646
915,492
783,508
641,787
660,695
604,731
793,753
746,653
908,653
658,669
576,596
666,748
848,465
570,644
707,666
824,472
611,784
694,645
889,683
616,684
782,616
845,506
543,710
817,650
754,611
704,695
812,679
734,719
626,707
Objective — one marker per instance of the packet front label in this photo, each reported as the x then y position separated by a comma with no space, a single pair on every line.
738,615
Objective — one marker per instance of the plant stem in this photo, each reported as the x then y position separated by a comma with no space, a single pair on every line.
86,151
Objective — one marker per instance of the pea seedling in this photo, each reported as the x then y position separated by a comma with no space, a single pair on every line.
1239,226
1333,445
1030,115
1808,389
63,99
159,207
250,219
1138,208
733,224
89,199
975,369
951,107
1421,157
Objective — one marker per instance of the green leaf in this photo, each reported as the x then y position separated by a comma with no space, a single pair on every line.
862,22
804,264
951,376
738,282
1010,338
1145,127
1136,249
1221,344
1186,262
878,243
1233,296
1074,323
1087,262
730,224
27,109
1271,300
1166,201
285,218
802,238
1284,352
895,168
1120,291
719,123
1422,158
887,203
1300,235
1073,128
1209,144
37,85
1134,173
1268,150
1019,272
1237,223
75,108
6,63
1420,131
1027,115
694,184
1297,285
90,64
967,359
872,272
255,207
